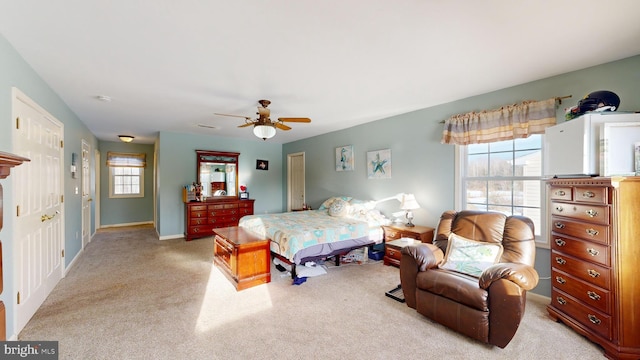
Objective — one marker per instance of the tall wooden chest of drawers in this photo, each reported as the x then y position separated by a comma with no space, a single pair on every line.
201,218
595,250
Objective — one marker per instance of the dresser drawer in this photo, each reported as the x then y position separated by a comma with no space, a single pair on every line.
204,230
198,221
223,212
561,193
198,214
595,274
199,207
392,253
223,206
224,221
592,213
583,291
393,234
245,204
579,229
581,249
594,195
591,318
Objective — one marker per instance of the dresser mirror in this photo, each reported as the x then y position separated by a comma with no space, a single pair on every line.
217,172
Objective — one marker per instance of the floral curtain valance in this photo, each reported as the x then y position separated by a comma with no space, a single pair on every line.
126,159
508,122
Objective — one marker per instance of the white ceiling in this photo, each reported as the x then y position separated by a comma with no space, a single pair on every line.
169,65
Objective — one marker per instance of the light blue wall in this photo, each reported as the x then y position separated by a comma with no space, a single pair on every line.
423,166
177,167
15,72
118,211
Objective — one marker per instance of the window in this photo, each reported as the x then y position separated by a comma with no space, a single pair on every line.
126,174
504,176
126,182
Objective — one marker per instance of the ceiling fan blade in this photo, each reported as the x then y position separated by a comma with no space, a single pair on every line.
247,124
238,116
299,120
282,126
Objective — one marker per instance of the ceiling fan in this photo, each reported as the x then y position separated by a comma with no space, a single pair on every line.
263,127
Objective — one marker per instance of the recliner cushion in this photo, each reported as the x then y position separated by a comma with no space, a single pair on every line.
470,257
455,286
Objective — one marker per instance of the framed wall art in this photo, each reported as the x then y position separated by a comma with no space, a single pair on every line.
379,164
262,164
344,158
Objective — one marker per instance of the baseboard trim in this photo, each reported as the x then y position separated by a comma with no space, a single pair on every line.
127,224
171,237
538,297
73,262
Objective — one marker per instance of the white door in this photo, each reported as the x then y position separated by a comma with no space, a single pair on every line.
295,175
86,194
38,219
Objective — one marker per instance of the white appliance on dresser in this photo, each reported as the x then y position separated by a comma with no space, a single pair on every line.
573,147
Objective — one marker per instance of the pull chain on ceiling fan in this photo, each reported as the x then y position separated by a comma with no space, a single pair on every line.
263,127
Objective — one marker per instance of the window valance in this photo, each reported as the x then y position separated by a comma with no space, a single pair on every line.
126,159
508,122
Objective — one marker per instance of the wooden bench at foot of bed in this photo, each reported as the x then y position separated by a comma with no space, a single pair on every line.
242,257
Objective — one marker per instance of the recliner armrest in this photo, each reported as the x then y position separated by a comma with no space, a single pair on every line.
523,275
427,256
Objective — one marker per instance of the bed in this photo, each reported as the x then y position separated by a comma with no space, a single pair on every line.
339,225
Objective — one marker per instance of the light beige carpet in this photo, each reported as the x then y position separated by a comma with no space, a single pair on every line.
131,296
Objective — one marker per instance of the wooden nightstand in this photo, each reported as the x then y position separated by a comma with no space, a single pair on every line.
395,232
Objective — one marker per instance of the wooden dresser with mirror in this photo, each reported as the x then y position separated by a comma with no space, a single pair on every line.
217,172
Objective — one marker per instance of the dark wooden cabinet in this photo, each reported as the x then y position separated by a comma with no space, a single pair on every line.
202,218
242,257
594,227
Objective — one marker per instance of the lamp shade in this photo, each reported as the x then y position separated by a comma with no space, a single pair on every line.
409,202
264,132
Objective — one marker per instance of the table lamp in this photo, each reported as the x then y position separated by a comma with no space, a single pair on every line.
409,203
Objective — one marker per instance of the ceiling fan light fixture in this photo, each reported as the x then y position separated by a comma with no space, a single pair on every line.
126,138
264,132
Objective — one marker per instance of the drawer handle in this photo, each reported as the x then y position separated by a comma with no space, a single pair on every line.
593,296
593,252
592,213
561,193
560,242
588,194
593,273
594,319
561,300
391,252
559,225
561,261
592,232
559,208
560,280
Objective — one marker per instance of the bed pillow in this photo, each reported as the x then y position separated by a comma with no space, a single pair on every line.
339,208
327,203
470,257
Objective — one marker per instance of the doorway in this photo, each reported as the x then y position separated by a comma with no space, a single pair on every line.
39,216
295,181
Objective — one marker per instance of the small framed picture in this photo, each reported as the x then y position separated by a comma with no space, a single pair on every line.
344,158
379,164
262,165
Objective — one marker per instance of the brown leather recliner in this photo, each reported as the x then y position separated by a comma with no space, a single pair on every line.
488,308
